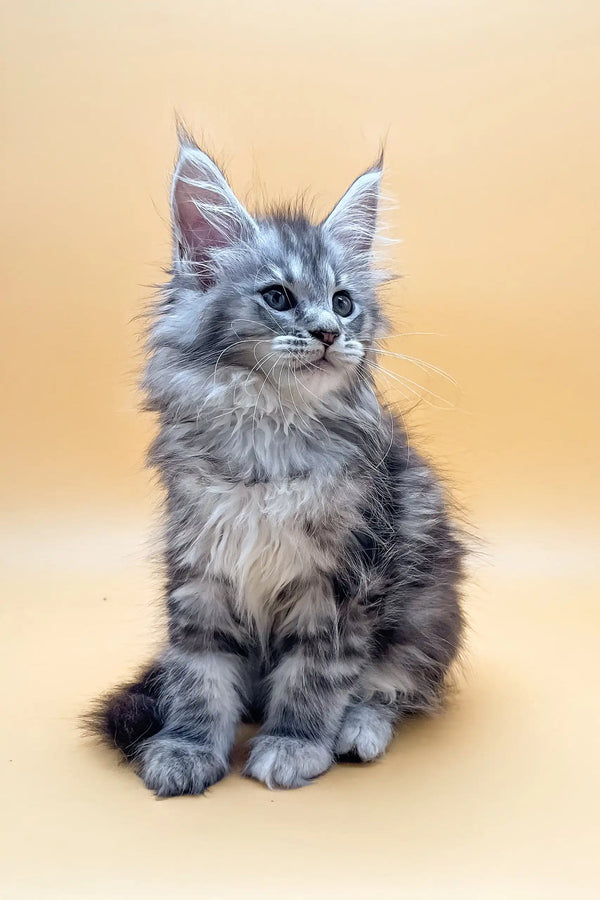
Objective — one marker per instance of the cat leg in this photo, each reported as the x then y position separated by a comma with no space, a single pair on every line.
202,697
408,677
309,689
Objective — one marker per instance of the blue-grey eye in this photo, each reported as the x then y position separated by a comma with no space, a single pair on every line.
278,297
342,303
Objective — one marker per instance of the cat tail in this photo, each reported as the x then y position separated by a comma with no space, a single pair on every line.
129,714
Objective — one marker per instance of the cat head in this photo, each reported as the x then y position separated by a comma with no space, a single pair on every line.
274,301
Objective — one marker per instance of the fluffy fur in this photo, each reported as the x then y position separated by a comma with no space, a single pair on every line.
312,567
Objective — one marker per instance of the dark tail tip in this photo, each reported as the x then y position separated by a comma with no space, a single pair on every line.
127,716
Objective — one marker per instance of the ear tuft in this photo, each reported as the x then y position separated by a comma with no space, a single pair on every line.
206,214
353,220
185,138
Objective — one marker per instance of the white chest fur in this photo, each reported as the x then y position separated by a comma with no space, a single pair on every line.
259,538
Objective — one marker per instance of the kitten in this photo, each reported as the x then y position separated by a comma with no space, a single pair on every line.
312,568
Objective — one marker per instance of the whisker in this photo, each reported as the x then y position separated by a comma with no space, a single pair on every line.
230,347
398,334
285,421
259,325
258,398
421,363
364,379
407,382
299,386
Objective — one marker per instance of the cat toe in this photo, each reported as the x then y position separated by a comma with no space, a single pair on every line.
286,762
364,735
172,767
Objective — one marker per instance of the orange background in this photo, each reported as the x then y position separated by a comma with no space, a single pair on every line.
489,112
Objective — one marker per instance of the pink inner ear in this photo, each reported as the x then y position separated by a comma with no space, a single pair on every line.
206,213
201,230
353,220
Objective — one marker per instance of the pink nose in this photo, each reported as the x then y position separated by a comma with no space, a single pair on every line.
326,337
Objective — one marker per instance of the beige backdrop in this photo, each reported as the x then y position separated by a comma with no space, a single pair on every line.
489,112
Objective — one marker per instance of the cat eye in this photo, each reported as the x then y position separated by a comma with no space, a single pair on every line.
278,297
342,303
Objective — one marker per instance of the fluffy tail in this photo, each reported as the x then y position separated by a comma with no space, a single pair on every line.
129,714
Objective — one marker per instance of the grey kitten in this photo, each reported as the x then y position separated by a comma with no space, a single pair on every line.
312,568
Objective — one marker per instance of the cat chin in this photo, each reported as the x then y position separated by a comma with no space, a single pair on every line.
322,378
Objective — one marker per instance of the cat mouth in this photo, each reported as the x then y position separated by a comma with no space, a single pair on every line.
321,364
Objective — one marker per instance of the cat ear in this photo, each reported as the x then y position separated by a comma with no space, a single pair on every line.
206,214
353,220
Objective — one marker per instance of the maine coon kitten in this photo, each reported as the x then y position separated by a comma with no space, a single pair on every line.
312,568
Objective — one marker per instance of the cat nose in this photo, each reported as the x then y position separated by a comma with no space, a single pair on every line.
326,337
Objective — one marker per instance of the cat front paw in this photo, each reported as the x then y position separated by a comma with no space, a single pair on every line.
364,735
171,767
286,762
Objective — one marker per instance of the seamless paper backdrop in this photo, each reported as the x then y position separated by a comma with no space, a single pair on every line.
489,116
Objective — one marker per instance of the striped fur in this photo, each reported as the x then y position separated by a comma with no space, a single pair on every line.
312,567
